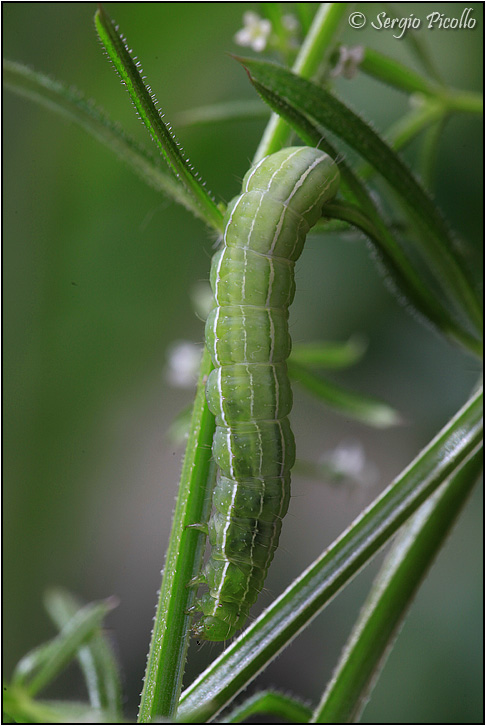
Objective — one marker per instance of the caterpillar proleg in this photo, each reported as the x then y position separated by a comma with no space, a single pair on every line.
252,278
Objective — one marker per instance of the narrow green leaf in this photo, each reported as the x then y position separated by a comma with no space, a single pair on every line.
70,103
96,658
400,274
144,103
321,107
276,705
39,667
350,404
222,113
319,583
329,355
166,659
392,593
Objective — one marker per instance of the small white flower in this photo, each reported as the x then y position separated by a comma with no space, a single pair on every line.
348,460
349,61
255,32
183,362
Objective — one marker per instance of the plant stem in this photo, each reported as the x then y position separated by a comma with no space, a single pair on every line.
170,636
315,50
390,71
396,74
464,102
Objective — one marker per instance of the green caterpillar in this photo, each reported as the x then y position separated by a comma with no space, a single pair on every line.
249,392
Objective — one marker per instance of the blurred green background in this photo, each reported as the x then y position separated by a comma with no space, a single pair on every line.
98,274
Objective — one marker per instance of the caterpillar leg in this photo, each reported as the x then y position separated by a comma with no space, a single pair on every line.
199,526
197,580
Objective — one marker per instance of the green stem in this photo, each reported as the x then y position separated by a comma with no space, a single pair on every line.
409,126
464,102
390,71
395,74
315,51
170,636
